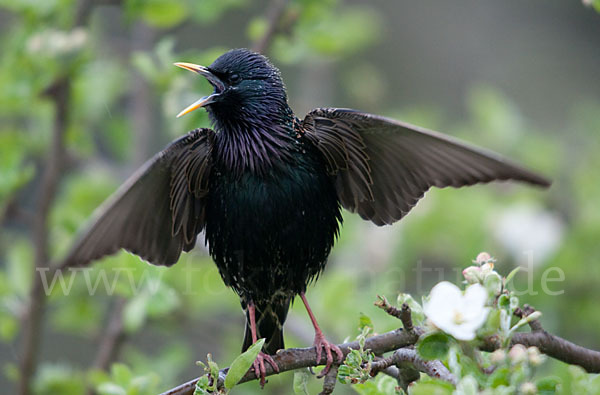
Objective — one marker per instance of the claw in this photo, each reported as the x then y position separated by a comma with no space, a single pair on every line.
259,367
322,343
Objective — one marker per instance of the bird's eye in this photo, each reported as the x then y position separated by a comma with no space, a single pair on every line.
234,78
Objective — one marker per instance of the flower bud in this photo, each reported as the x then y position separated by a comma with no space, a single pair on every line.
518,354
534,316
487,268
472,274
483,257
498,356
528,388
493,283
536,358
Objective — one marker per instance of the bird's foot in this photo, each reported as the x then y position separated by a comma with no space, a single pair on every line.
259,367
322,343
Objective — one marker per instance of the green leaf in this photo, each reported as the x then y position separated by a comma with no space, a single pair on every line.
514,303
213,370
525,320
364,322
121,373
416,310
434,346
500,376
431,387
493,283
511,275
548,385
164,13
242,363
55,378
504,301
202,385
381,385
19,268
111,389
9,327
467,386
143,62
300,381
135,312
492,323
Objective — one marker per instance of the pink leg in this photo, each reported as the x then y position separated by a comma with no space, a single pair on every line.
259,362
321,342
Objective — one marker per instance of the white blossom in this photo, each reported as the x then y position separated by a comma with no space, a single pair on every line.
525,227
457,314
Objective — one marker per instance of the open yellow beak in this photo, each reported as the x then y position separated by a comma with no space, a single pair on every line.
213,79
196,105
192,67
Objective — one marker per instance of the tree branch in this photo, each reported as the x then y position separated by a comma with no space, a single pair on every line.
403,314
274,25
59,93
113,337
329,380
408,358
296,358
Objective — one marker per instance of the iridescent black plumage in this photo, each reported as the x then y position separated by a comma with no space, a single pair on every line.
268,188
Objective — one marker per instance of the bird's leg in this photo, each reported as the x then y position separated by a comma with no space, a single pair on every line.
321,342
259,363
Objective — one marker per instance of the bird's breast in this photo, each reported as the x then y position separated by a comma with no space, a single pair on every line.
269,232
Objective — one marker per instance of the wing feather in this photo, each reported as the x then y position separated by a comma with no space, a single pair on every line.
382,167
158,211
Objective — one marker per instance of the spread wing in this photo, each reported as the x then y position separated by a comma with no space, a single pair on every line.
158,211
383,167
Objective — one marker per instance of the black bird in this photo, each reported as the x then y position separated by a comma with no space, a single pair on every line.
268,189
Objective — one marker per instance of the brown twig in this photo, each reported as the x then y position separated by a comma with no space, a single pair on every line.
434,368
330,380
407,374
274,25
555,346
527,310
403,314
407,358
560,349
59,93
113,337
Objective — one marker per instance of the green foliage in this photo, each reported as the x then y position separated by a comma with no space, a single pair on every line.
357,364
300,382
429,386
15,173
207,384
122,381
59,379
242,363
434,345
382,384
594,3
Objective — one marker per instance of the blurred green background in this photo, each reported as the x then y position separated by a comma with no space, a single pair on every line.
520,78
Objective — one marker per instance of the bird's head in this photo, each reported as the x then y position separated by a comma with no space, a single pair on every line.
247,88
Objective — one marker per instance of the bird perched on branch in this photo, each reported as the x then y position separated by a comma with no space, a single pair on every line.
268,189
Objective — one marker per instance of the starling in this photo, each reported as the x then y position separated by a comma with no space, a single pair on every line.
268,188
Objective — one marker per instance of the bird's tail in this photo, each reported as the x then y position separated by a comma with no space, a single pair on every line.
269,325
